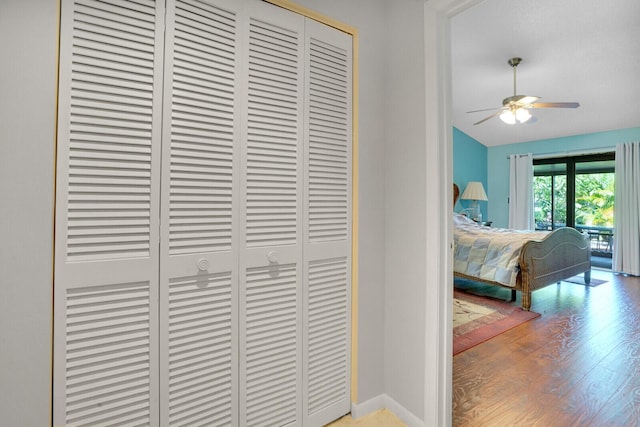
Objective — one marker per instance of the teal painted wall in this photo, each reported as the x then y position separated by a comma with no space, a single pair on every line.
498,163
469,164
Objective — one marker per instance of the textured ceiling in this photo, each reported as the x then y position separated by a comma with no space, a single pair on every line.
573,50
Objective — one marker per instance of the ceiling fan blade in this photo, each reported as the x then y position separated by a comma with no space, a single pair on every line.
497,113
555,105
484,109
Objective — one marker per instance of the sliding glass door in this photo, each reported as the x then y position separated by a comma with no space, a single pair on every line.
550,195
577,192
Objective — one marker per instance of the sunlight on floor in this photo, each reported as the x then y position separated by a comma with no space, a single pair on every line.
382,418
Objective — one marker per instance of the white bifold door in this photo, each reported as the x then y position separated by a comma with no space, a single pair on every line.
203,216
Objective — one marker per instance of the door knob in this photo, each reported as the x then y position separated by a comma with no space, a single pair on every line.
203,264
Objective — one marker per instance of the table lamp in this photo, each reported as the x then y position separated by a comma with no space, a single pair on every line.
474,192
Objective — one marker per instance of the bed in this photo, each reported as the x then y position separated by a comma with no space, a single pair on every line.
520,260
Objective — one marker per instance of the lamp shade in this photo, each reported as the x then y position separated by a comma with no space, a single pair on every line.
474,191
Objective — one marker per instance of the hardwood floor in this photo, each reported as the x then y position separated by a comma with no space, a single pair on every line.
576,365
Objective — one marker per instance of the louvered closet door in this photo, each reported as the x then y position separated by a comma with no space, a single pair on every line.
271,207
199,250
327,224
106,249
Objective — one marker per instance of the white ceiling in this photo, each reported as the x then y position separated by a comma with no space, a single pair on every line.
573,50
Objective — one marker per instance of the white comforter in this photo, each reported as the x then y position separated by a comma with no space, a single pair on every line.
489,253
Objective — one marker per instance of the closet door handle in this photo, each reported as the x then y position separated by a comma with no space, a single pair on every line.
272,256
203,264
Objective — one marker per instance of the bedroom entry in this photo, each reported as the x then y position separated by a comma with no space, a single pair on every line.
578,192
203,216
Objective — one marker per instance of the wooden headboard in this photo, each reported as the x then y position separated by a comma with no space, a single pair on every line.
456,194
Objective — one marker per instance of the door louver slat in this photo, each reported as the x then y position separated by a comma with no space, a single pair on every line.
200,351
202,122
108,347
271,345
329,140
272,146
328,373
110,131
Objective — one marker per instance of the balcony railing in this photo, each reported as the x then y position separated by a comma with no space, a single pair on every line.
601,237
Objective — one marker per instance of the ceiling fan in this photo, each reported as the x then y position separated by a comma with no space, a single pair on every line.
515,109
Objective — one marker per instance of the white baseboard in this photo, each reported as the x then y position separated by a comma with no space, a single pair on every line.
383,401
370,406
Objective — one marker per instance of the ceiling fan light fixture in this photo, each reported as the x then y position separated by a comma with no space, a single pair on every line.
515,115
508,117
522,115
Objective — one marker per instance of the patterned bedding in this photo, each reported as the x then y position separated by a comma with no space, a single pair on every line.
489,253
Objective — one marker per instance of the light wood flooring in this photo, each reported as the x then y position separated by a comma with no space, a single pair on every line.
576,365
382,418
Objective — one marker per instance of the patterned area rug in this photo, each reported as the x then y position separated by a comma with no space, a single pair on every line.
477,319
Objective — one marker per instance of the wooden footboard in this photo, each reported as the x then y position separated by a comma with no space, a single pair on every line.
564,253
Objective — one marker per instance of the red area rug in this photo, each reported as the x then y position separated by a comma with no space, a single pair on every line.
477,319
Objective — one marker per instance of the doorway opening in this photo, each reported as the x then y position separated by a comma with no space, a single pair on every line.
579,192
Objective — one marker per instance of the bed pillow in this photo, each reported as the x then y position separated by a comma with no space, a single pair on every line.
459,219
